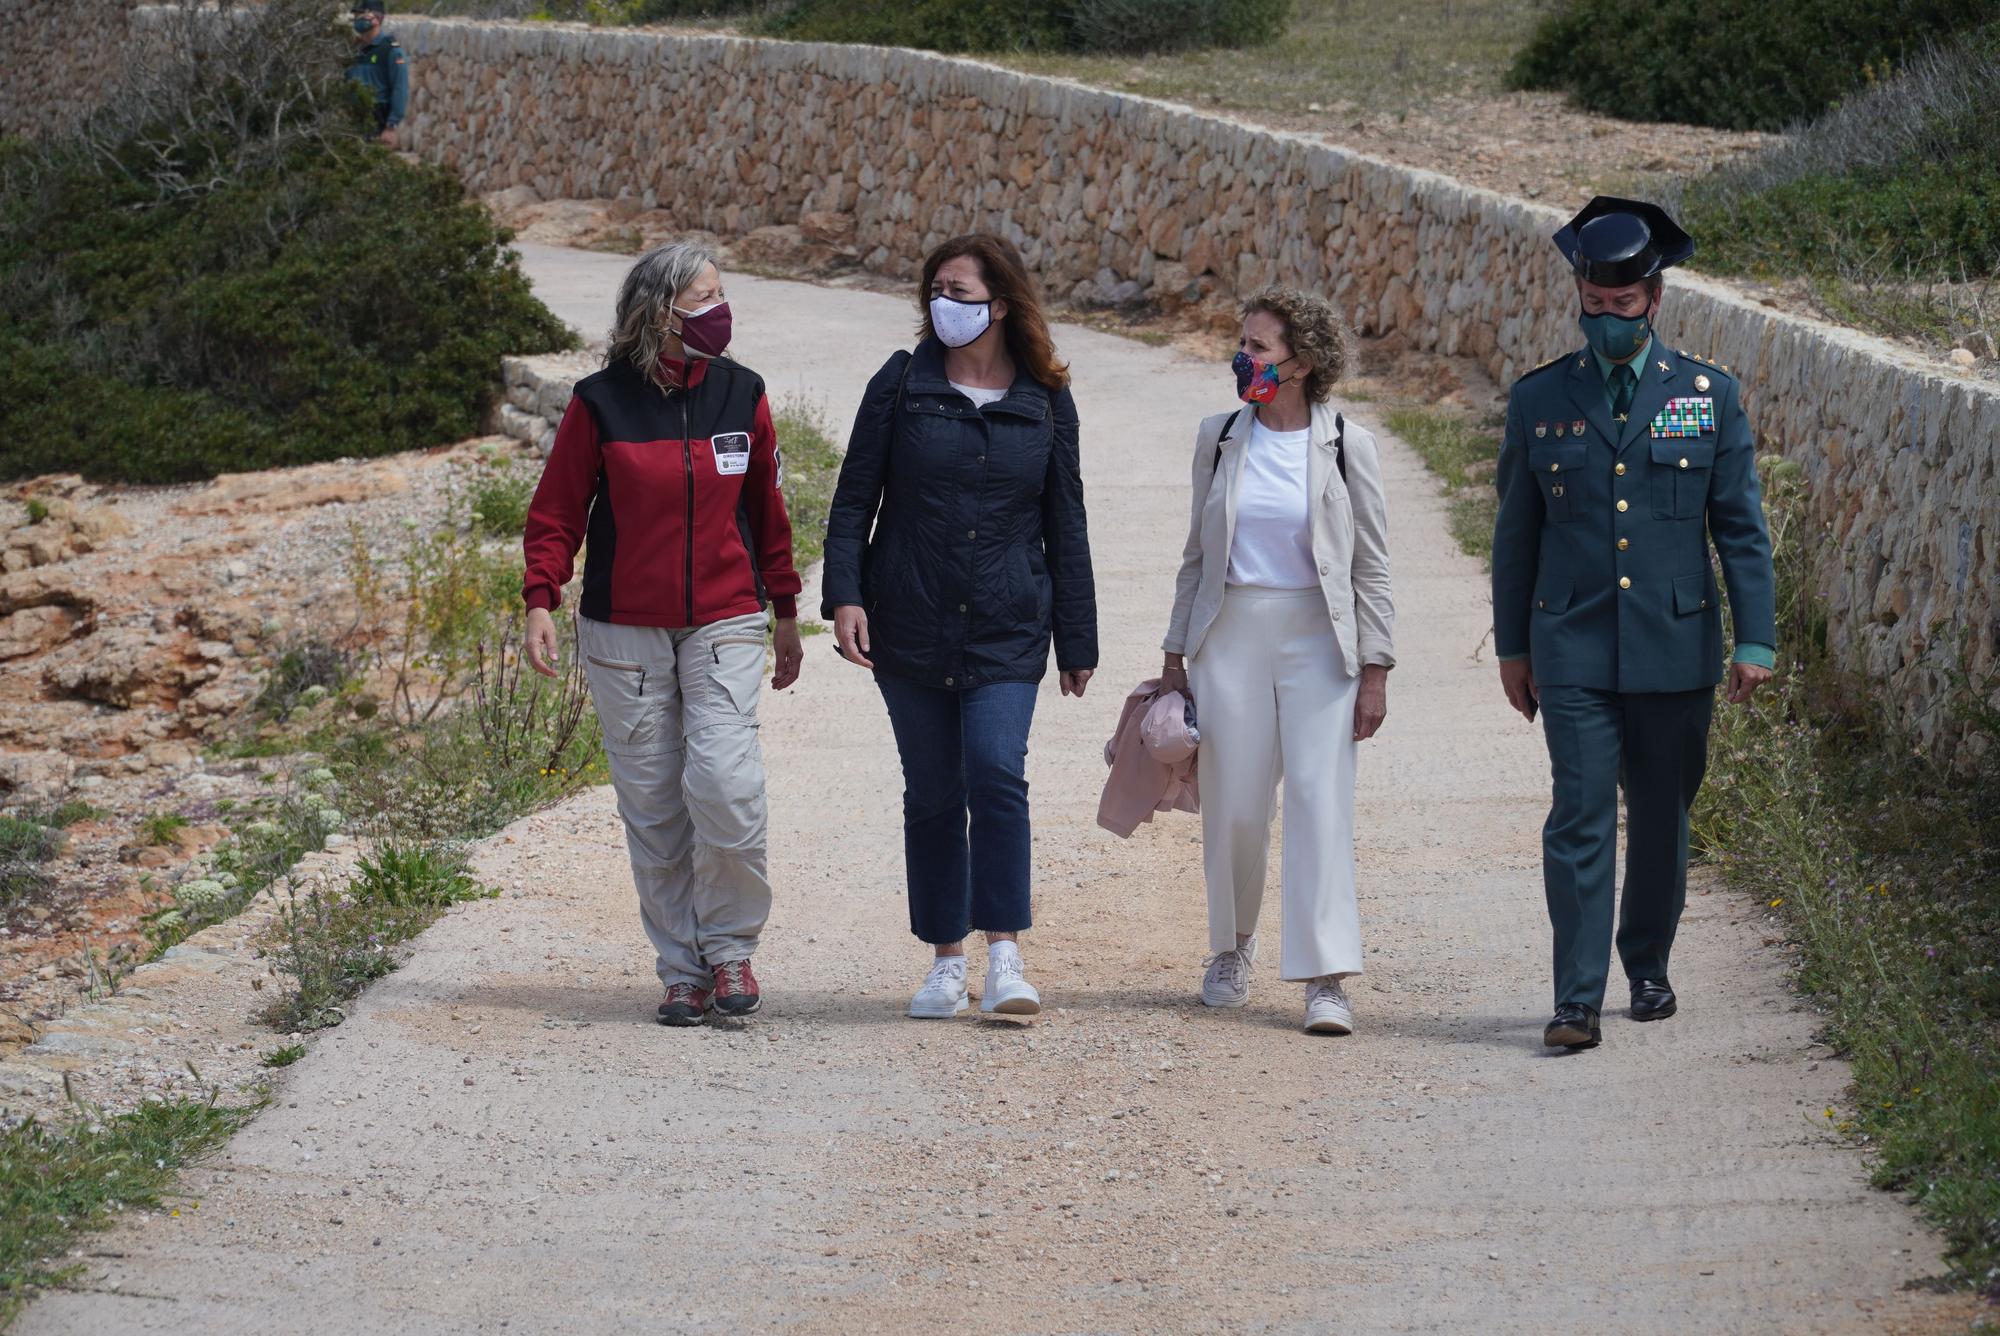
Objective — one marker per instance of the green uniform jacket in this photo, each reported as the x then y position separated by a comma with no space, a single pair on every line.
383,68
1601,572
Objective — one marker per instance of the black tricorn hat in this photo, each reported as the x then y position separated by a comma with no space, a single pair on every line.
1613,242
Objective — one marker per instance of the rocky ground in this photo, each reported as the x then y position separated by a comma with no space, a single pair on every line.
136,628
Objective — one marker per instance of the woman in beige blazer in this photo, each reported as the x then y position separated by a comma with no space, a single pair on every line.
1282,626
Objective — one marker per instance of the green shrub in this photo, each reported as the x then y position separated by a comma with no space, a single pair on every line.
222,274
1036,25
1174,25
1902,177
499,494
25,845
1737,66
309,668
812,466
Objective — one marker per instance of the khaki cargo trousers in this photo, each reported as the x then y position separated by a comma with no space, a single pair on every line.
679,713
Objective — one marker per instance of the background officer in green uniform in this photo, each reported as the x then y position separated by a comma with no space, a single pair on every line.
382,67
1621,463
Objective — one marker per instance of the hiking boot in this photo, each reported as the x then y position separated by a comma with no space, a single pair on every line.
736,989
685,1004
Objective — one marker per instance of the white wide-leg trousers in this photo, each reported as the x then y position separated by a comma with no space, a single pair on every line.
1274,701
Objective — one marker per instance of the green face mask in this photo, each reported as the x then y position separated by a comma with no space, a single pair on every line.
1615,337
363,22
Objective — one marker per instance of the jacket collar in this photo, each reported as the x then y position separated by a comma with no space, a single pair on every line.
1026,397
682,372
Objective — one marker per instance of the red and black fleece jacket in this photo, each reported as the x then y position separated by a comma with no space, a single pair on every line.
678,493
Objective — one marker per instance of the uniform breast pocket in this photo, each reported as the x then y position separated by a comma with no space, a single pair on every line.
1681,467
1559,473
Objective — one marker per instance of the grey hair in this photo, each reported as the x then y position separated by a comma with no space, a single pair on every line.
639,332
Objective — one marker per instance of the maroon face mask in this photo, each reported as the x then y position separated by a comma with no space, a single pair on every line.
705,332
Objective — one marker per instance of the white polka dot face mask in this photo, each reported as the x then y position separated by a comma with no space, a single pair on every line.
958,323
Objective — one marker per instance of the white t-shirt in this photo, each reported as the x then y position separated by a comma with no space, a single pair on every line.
1273,542
980,397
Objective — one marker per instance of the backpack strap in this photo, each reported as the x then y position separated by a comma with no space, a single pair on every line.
1222,436
1339,443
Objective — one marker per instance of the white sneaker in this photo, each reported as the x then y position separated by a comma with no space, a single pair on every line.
943,993
1327,1011
1227,983
1006,992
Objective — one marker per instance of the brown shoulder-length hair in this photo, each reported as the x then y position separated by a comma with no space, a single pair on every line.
1026,329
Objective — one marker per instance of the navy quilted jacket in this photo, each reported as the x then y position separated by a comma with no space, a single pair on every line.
961,530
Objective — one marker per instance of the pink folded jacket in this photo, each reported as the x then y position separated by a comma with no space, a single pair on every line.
1141,783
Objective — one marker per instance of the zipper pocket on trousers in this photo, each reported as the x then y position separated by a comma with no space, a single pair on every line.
715,646
617,666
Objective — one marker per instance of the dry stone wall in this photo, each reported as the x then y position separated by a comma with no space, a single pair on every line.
59,57
1116,199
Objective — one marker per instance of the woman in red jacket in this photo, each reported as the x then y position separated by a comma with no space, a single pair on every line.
667,464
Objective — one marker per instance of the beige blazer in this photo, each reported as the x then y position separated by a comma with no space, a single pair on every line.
1350,539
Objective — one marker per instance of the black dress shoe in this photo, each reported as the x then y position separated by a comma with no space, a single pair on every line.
1574,1026
1653,1000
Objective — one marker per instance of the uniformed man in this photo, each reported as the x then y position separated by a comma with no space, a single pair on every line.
1622,461
382,67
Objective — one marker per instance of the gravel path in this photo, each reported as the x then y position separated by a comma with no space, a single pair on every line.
501,1138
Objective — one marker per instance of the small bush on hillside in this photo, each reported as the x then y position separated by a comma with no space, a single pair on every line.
1174,25
1741,67
1905,174
1036,25
221,274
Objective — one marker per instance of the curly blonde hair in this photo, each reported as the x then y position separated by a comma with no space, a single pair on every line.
1313,330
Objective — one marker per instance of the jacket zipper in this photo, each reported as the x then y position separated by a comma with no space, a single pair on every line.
687,466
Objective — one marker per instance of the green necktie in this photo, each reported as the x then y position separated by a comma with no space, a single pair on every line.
1624,383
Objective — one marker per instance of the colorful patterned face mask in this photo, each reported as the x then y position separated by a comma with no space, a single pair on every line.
1256,382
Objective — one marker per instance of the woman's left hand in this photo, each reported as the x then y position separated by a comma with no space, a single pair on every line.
789,651
1371,704
1074,683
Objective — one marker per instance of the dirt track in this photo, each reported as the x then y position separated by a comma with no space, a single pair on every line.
500,1137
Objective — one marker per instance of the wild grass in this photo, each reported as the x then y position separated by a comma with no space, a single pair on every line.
1461,449
1334,53
812,466
58,1183
330,939
1883,864
25,845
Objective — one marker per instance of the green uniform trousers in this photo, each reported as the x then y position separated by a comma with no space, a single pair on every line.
1655,744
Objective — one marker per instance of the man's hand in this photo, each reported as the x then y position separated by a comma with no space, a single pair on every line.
1073,683
790,652
388,138
850,630
541,643
1517,679
1371,702
1744,679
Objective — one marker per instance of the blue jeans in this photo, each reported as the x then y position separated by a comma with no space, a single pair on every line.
965,805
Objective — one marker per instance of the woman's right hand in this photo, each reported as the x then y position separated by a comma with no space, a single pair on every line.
541,642
850,629
1173,676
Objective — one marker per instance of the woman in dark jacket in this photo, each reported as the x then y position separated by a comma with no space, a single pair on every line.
964,461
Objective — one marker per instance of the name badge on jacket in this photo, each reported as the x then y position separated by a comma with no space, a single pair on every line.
1686,417
732,452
